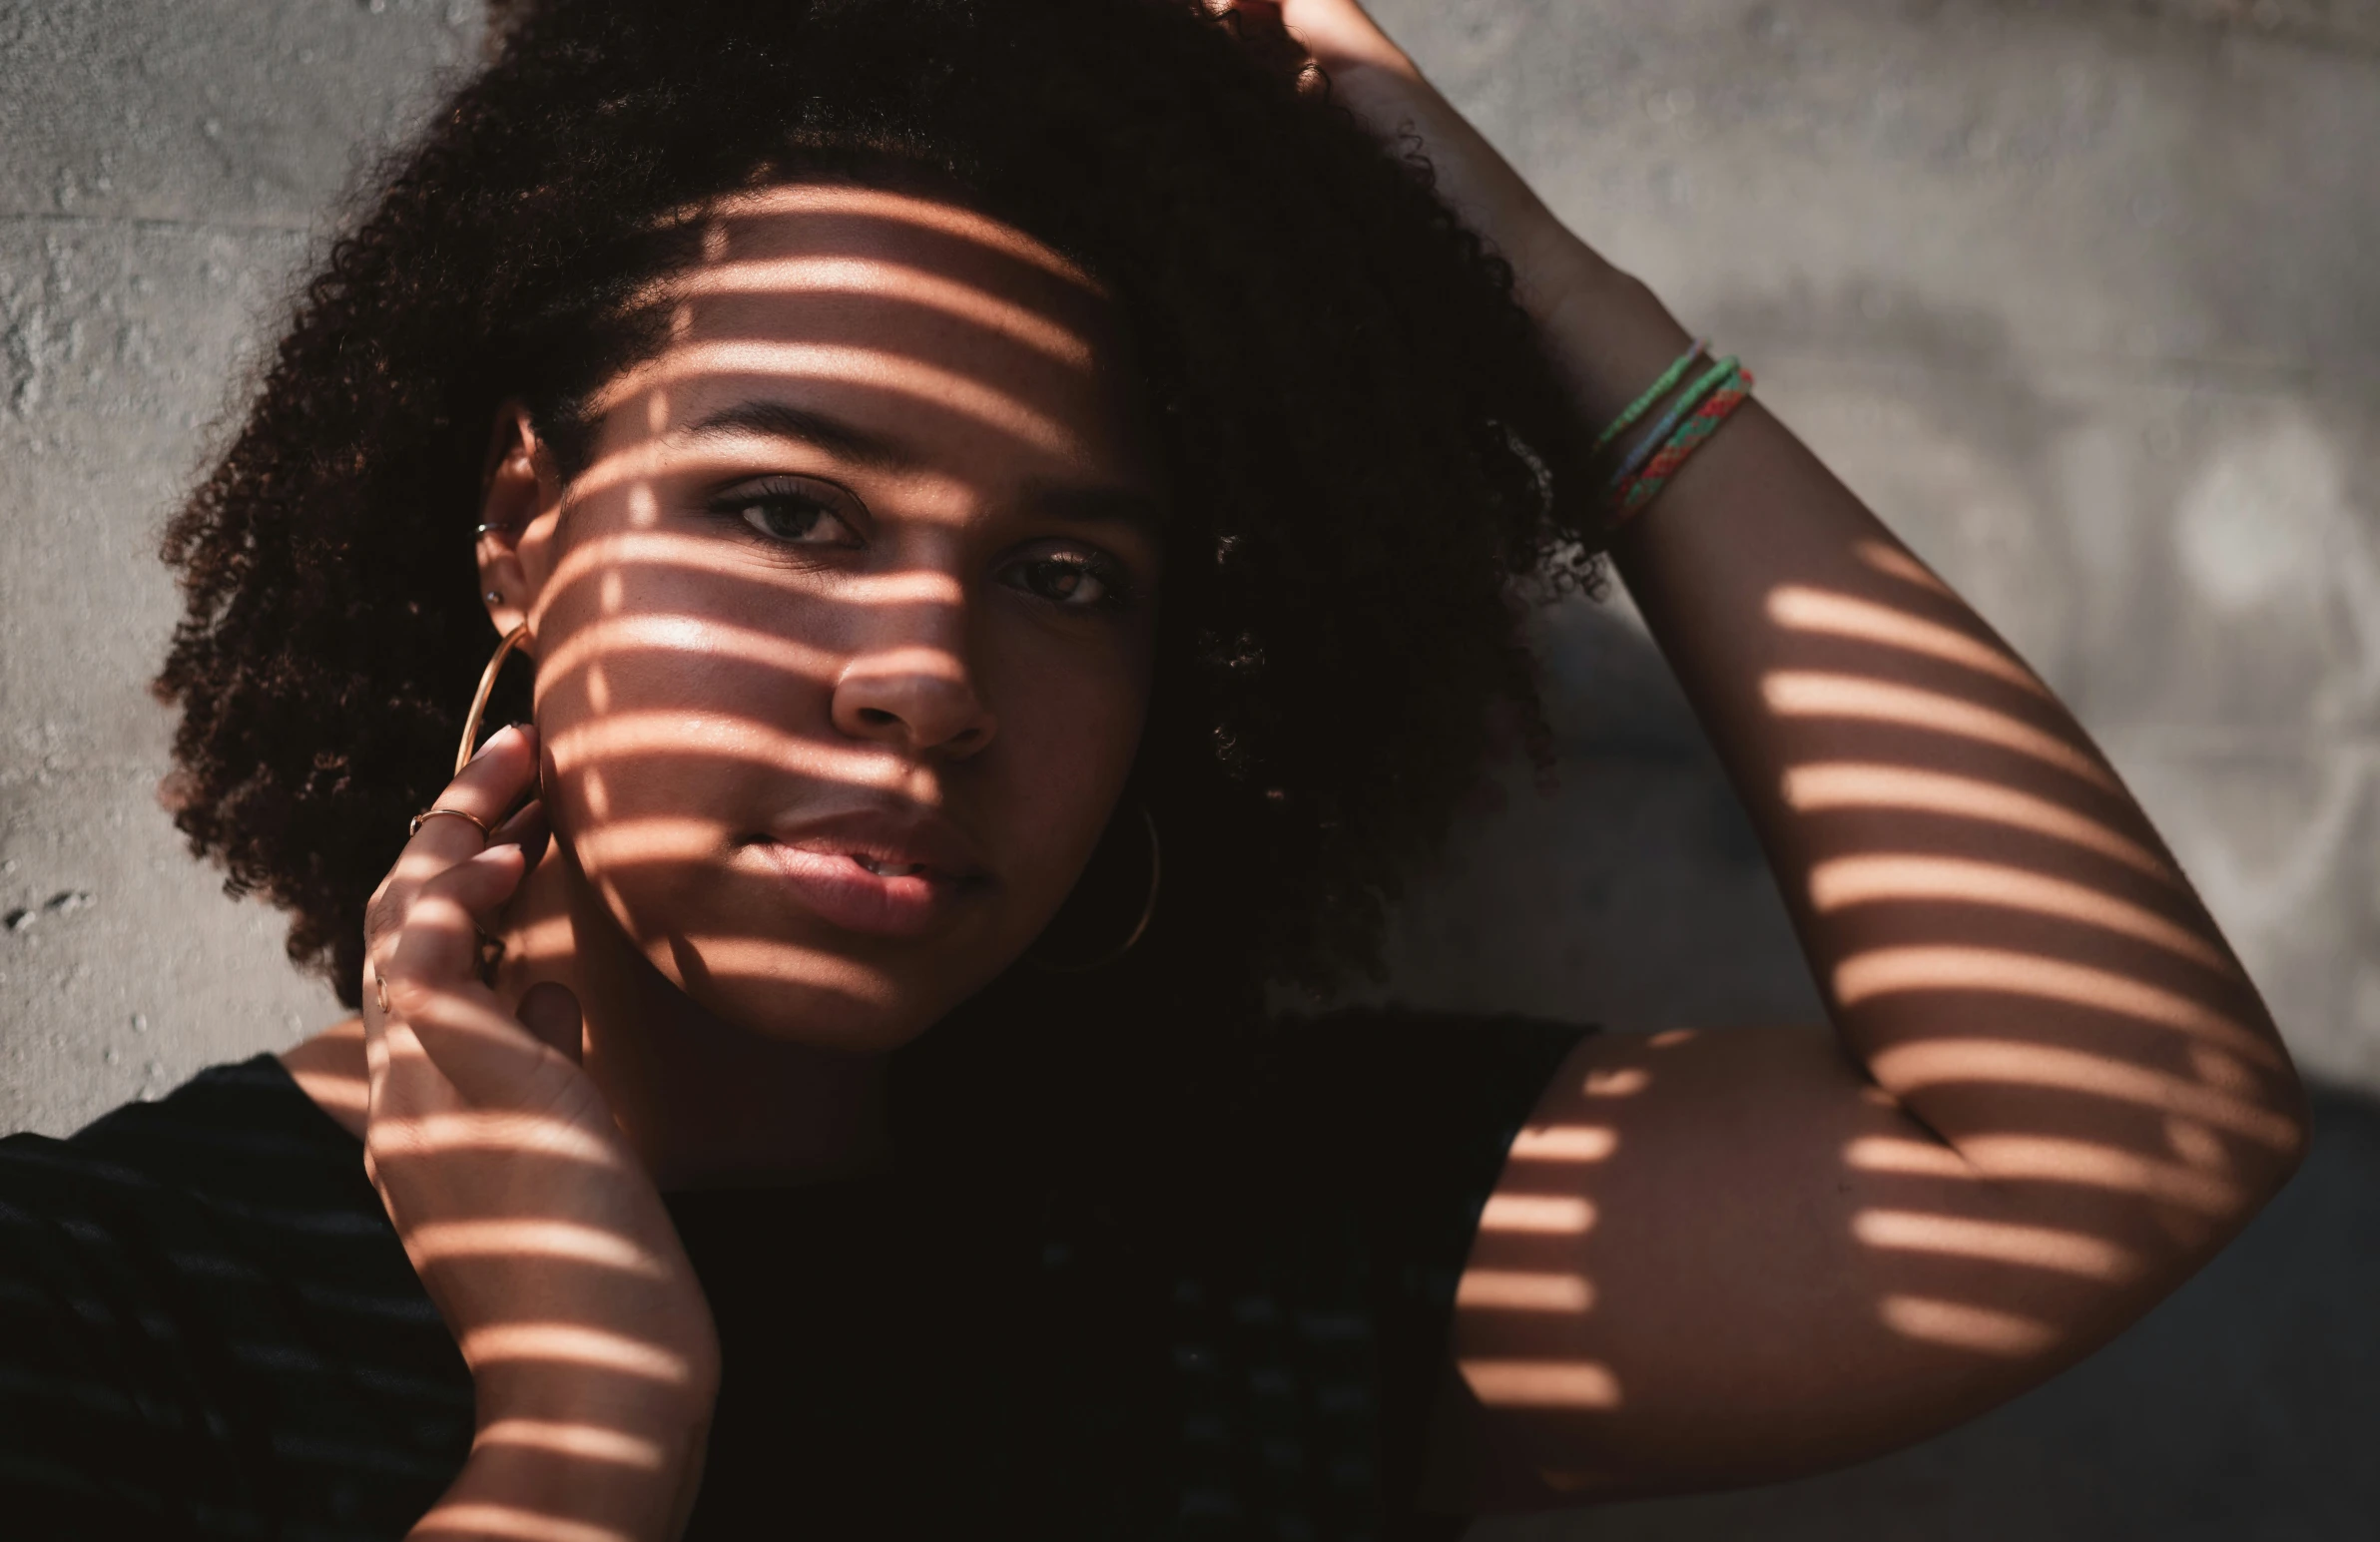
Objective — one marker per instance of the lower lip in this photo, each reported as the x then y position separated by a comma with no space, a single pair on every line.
844,895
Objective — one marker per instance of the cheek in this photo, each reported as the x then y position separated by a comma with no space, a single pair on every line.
1071,731
666,726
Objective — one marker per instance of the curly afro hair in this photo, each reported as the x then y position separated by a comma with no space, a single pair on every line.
1372,457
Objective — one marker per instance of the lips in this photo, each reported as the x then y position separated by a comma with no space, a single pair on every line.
875,872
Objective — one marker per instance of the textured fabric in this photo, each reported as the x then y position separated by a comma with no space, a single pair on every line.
208,1327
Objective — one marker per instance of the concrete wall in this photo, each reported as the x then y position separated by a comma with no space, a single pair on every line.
2081,301
164,165
2077,296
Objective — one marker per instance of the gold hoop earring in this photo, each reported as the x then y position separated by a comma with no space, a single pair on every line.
488,685
1149,910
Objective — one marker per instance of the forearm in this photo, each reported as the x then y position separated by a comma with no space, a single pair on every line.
2004,942
544,1468
2001,938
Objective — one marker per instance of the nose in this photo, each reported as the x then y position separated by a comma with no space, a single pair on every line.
918,697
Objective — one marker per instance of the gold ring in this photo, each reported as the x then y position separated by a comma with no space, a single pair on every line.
487,832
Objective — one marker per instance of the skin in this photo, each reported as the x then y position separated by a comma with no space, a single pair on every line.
871,535
827,605
2046,1092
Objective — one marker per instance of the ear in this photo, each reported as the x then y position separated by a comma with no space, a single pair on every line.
518,511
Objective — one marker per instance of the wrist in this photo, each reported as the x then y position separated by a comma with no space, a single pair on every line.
570,1469
1393,99
527,1477
1608,334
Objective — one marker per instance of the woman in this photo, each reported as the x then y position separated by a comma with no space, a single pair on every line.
1016,514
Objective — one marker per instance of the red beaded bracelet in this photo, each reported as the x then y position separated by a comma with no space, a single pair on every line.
1634,492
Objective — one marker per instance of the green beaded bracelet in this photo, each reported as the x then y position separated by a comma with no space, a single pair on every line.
1660,388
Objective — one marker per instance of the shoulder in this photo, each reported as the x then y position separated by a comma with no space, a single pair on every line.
329,1068
235,1174
230,1130
203,1312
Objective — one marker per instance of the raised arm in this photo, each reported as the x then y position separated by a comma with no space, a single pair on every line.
2048,1092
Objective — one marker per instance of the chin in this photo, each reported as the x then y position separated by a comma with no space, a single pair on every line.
800,994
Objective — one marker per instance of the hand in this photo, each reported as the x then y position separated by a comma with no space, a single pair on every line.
1336,34
531,1223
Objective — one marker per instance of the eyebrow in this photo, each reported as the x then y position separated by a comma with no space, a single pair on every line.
847,441
783,420
1097,506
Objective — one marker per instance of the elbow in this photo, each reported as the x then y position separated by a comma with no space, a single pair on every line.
2299,1111
2293,1124
2262,1166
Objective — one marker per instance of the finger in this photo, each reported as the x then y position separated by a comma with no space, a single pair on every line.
438,947
1264,14
433,986
551,1013
460,1042
1254,18
486,790
528,829
505,764
504,769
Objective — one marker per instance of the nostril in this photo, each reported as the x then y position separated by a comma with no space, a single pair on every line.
876,717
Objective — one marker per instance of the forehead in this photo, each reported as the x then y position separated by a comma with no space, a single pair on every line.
909,317
928,235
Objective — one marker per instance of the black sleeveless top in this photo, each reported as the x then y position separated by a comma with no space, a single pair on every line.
208,1327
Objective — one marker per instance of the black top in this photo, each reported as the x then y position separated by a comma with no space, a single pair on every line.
208,1326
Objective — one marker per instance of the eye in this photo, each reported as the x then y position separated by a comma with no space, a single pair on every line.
1072,579
794,511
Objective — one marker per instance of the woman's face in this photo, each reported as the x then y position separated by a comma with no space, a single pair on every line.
842,638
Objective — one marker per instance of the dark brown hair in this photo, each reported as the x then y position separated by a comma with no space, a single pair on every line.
1368,453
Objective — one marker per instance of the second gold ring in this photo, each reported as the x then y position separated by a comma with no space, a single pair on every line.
487,832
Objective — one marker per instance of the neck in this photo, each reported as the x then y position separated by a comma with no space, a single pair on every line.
705,1102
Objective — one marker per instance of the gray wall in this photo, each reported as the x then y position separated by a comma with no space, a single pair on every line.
2077,296
164,170
2083,302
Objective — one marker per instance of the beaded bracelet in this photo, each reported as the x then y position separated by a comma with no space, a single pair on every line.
1694,417
1648,446
1733,391
1659,389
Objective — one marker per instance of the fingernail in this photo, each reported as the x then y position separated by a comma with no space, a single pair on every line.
490,741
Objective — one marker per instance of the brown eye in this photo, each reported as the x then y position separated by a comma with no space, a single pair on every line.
1075,581
795,513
